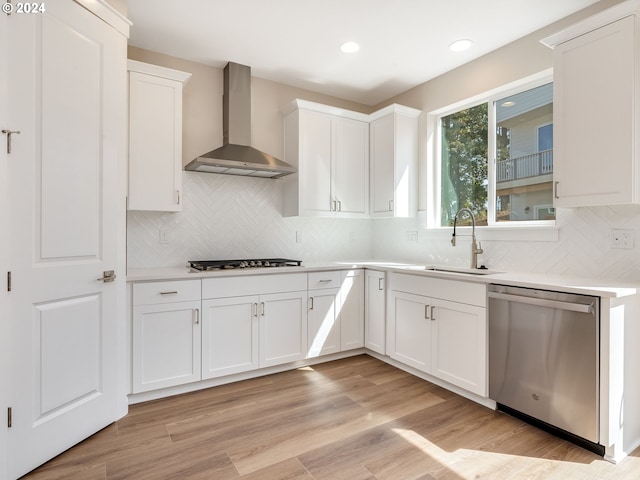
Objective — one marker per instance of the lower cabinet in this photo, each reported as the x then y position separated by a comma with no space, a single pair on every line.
335,312
250,322
229,335
439,327
166,334
374,311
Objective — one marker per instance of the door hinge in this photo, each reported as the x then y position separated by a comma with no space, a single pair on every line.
9,417
8,281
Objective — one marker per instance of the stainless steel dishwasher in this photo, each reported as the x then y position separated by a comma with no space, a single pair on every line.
544,356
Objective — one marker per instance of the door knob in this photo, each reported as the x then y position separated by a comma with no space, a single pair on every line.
107,276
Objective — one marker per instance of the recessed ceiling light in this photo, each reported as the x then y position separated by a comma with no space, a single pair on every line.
460,45
508,103
350,47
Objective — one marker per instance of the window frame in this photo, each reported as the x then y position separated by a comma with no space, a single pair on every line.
434,159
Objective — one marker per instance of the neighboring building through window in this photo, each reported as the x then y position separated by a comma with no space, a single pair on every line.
518,186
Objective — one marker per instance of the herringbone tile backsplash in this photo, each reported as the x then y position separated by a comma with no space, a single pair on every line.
239,217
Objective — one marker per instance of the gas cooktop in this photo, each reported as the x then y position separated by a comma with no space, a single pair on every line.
207,265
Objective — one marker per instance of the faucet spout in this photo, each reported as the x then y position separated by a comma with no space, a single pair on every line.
476,248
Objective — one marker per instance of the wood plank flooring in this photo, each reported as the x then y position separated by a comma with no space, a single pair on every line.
356,419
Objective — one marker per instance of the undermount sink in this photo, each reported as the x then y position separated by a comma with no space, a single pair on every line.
467,271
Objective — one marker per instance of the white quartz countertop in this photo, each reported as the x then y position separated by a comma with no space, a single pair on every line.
581,285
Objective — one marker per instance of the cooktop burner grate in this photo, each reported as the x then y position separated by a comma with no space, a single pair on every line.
207,265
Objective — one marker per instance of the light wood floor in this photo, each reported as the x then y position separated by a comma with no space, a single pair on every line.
353,419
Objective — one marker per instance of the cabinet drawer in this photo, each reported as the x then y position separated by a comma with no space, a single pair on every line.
324,280
253,285
151,293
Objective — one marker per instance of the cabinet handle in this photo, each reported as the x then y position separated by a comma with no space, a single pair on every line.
177,197
324,281
433,312
426,312
255,309
333,205
310,303
555,189
262,308
381,284
339,205
197,315
174,292
391,205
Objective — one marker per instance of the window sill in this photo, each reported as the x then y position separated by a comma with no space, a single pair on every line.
510,233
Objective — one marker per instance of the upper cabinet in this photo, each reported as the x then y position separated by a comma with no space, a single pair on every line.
330,148
350,164
596,109
155,137
394,162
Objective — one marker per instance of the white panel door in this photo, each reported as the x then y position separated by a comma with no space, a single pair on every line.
316,156
351,179
375,314
5,344
351,310
67,96
229,336
166,345
459,345
410,330
323,322
283,328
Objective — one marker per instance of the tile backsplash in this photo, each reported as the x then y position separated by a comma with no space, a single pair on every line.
227,216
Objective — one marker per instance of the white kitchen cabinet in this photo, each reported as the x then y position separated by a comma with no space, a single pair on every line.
374,311
155,137
393,134
409,330
166,334
330,149
229,335
335,311
351,310
253,322
596,109
323,322
439,327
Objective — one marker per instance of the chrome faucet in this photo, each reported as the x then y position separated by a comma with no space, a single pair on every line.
476,247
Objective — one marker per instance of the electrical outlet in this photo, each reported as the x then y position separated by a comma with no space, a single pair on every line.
164,236
298,236
412,236
621,238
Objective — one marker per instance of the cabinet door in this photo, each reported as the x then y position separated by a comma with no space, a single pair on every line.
283,328
323,322
594,117
409,330
315,163
166,345
382,166
459,345
155,143
351,172
375,311
352,310
229,336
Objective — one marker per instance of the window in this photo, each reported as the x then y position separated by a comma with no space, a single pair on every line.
515,130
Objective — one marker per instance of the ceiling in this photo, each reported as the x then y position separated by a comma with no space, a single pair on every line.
403,43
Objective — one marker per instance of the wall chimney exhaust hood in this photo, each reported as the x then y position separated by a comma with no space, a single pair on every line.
236,156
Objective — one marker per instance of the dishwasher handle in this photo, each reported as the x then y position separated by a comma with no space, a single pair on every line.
541,302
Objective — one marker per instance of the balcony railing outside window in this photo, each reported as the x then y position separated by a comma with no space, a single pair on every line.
533,165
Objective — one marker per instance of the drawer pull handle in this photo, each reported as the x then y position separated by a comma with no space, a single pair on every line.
324,281
175,292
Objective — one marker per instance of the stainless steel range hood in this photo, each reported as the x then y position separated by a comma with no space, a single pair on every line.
236,156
